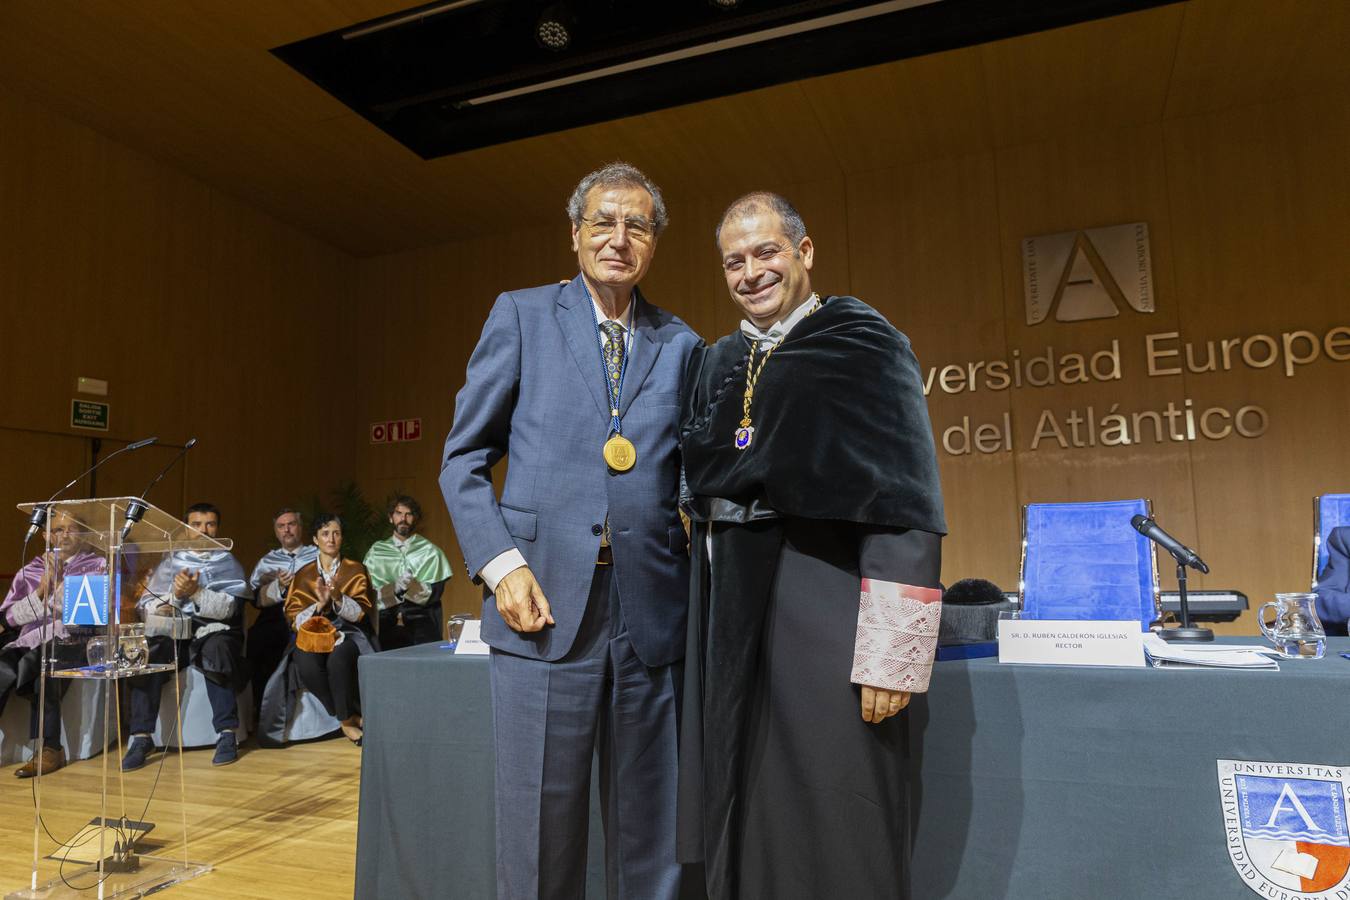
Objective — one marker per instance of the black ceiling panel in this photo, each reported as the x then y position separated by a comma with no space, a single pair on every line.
429,77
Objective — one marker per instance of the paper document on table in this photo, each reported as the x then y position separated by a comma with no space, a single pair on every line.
470,642
1218,656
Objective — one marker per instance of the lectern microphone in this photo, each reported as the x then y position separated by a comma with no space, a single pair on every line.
136,509
38,520
1180,552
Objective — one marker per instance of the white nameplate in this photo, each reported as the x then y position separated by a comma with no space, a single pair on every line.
1052,642
470,641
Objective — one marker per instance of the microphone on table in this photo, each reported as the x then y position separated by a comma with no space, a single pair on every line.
136,509
1184,556
38,520
1180,552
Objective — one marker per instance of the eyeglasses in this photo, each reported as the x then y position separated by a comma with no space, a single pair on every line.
637,227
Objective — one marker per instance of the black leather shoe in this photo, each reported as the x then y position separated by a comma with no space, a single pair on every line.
227,749
139,748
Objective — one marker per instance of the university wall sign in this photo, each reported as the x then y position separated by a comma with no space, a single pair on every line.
1103,273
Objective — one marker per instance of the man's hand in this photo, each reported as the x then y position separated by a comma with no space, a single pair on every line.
184,584
879,704
47,583
284,578
522,603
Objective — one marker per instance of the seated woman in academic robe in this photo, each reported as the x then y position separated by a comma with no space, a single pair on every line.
327,608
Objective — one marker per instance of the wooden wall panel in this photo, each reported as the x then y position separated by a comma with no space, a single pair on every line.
1096,75
923,108
924,247
207,318
1258,200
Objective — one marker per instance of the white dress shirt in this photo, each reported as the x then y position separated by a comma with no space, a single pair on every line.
774,334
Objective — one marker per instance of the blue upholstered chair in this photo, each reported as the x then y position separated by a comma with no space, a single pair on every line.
197,728
1329,511
1085,561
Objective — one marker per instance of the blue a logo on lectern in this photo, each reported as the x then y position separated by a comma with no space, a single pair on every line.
86,600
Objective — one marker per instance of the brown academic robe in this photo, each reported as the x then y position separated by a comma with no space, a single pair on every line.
351,579
279,695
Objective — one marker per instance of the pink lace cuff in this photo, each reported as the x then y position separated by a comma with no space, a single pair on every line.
897,635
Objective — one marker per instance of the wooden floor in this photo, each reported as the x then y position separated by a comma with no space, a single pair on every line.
278,823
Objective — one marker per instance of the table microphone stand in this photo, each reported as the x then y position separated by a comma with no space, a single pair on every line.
1187,633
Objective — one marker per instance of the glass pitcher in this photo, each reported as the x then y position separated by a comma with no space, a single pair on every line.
1296,631
132,648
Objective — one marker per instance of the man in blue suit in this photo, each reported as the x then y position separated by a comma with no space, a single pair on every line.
585,557
1333,584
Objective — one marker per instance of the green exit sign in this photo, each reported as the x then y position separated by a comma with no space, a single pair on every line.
88,414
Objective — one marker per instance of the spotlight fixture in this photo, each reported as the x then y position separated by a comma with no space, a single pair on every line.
553,30
724,4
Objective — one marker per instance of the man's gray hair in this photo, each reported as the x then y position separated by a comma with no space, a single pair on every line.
617,174
759,201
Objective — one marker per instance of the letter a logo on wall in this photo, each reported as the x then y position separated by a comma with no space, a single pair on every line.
1091,274
1284,825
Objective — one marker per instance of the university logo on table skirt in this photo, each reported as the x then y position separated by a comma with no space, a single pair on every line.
1285,827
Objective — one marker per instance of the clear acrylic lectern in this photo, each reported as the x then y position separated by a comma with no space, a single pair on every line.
90,841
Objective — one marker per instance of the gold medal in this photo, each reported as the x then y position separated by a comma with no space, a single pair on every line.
620,454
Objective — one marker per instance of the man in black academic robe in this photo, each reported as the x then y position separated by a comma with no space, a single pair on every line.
812,484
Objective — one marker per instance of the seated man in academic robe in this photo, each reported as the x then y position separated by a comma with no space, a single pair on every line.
33,608
270,635
818,520
407,577
193,608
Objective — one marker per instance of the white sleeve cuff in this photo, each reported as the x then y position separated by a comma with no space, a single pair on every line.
214,604
349,609
305,615
500,566
27,610
270,595
897,635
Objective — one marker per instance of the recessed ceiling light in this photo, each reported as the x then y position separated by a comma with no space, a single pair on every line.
553,30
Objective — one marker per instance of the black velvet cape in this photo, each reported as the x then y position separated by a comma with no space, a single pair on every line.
841,426
842,438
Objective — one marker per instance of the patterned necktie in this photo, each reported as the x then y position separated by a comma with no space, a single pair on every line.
614,351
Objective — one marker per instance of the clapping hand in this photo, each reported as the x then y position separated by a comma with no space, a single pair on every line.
47,583
185,584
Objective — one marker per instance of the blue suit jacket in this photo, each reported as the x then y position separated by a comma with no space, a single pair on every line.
534,390
1333,584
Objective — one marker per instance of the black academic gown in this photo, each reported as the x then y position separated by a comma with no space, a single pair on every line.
785,791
